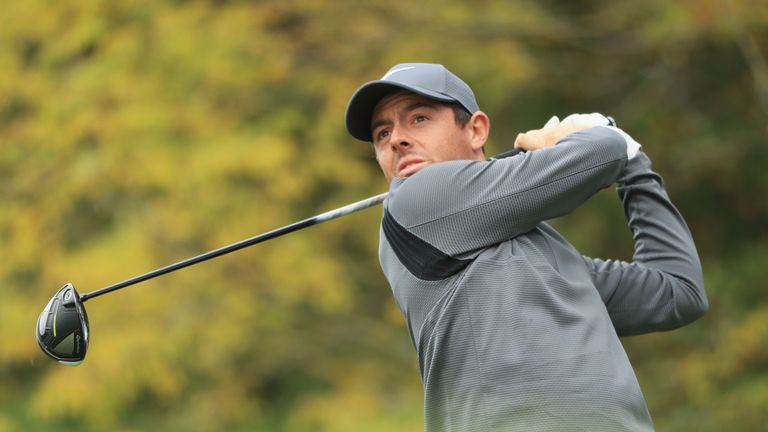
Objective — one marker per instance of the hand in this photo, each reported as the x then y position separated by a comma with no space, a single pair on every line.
547,136
555,130
600,120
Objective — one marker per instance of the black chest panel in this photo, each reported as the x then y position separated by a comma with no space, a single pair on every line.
423,260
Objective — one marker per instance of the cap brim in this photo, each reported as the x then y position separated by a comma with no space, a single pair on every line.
364,100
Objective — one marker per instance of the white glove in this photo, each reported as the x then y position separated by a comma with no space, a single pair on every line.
594,119
554,121
597,119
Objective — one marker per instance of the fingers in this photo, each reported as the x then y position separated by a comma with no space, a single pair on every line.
531,140
546,137
554,130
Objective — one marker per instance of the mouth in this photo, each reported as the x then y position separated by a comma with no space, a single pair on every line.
410,166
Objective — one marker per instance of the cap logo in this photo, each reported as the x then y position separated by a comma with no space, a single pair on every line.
394,71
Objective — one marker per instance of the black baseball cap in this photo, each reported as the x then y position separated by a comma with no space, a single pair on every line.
430,80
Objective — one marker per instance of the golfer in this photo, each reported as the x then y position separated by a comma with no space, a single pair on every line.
515,330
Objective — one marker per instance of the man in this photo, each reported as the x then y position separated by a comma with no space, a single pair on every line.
514,328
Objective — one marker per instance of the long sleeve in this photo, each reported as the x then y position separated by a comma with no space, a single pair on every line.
662,288
459,207
512,335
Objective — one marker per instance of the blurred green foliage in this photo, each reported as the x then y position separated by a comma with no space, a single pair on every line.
137,133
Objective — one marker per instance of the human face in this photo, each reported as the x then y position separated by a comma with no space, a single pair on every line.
411,132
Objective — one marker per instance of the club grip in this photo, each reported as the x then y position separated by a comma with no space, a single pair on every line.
508,153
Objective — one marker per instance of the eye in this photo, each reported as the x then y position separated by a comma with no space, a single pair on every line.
420,118
382,134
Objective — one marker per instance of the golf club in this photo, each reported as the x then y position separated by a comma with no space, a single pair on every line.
62,328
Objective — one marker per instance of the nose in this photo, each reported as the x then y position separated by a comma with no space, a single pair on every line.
399,139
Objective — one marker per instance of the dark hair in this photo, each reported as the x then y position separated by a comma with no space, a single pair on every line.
460,114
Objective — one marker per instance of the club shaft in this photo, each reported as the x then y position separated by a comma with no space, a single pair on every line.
323,217
333,214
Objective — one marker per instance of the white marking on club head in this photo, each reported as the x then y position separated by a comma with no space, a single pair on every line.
394,71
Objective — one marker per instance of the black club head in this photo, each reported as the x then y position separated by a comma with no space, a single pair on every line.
62,328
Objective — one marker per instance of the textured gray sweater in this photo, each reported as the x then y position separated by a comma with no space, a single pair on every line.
514,328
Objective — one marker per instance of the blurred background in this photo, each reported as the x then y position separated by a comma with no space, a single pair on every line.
137,133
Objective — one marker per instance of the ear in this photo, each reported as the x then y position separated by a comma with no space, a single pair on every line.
479,127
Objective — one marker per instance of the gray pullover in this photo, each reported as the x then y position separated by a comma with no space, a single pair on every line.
514,329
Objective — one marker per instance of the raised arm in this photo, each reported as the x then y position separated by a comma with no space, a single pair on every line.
663,287
462,206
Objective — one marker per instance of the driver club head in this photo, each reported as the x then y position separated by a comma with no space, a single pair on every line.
62,328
